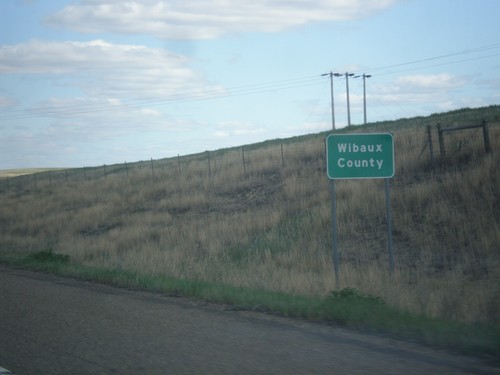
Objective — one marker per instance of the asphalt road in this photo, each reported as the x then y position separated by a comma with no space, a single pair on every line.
52,325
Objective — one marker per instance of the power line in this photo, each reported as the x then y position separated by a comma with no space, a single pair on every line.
435,65
392,67
465,52
217,93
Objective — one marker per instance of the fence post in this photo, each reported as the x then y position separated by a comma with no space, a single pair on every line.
282,157
209,167
243,156
179,163
126,168
152,168
105,174
429,136
486,136
441,141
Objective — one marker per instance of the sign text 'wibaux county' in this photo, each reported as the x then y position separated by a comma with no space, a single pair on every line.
362,149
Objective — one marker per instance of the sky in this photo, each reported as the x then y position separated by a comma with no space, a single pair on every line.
93,82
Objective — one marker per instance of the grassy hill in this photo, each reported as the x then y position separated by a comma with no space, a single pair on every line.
10,173
258,218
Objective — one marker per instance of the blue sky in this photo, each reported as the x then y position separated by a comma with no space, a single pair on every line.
95,82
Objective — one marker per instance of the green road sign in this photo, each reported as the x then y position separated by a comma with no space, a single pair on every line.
360,156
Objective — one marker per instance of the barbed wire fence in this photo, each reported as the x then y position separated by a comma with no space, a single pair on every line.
424,145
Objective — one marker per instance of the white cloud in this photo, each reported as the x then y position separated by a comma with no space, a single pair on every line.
206,19
221,134
412,89
118,69
6,102
102,118
88,129
428,82
310,127
238,128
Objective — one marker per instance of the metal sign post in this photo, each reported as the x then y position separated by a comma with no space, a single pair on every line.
389,226
335,253
357,156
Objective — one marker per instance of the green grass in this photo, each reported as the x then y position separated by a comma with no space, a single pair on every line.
46,257
275,240
347,307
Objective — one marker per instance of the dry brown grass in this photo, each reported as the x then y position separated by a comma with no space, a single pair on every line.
268,225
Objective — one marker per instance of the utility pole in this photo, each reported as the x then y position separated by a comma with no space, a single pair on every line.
347,75
331,74
365,76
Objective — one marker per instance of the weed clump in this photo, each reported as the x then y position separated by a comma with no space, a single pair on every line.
46,256
354,295
349,306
